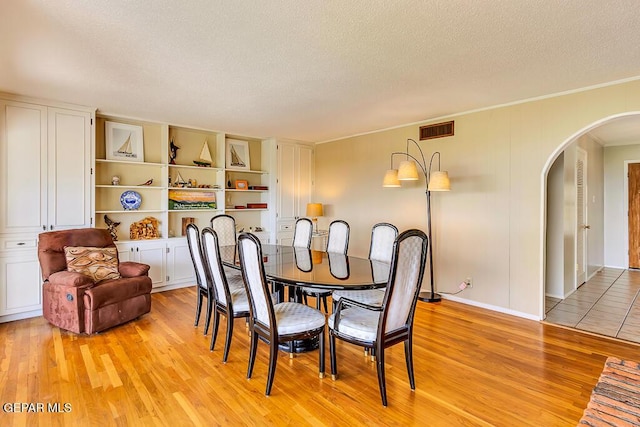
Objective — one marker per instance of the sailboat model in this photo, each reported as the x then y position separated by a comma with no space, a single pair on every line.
179,182
125,149
205,156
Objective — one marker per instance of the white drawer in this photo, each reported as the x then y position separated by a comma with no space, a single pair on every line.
15,243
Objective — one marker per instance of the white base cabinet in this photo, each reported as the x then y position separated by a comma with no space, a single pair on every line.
22,290
150,252
179,265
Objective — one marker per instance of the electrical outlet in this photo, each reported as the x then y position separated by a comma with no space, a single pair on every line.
469,282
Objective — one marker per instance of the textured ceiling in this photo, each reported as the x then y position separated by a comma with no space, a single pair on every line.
313,70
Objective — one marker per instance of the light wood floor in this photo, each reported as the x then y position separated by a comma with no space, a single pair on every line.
473,367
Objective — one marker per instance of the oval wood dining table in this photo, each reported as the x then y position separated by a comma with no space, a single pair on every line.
315,269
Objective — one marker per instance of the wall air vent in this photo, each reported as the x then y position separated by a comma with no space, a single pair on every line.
437,130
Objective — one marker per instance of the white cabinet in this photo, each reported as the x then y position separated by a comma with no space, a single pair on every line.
150,252
295,187
21,289
45,166
179,264
46,184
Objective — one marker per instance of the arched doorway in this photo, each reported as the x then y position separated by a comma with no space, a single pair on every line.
559,187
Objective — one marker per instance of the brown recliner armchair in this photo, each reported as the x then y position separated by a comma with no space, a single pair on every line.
74,301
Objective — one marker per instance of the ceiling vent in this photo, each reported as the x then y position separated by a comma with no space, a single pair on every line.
437,130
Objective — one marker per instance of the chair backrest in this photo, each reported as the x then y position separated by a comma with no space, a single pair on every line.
195,249
338,240
302,233
51,246
255,281
213,265
407,270
225,228
382,236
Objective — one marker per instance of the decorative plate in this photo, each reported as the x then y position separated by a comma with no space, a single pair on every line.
130,200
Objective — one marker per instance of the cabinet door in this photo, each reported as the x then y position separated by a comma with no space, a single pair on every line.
179,265
23,167
154,255
287,183
20,284
69,173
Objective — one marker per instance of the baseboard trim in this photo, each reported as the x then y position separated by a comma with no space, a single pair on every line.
491,307
20,316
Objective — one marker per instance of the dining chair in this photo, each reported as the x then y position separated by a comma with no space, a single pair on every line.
204,290
230,301
379,327
225,227
383,235
274,324
337,242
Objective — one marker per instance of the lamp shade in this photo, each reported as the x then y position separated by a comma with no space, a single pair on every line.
314,210
391,178
408,171
439,181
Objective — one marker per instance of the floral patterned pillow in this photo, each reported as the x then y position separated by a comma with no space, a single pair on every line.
97,263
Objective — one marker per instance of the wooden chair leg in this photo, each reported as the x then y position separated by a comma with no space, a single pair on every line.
273,358
332,356
198,307
207,320
324,302
321,362
252,353
408,353
214,332
381,378
227,342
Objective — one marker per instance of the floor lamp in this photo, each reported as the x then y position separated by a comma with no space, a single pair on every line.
436,181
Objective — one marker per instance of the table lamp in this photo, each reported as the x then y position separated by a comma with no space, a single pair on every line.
314,210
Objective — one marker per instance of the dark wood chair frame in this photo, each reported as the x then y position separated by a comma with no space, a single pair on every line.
270,334
202,291
219,307
384,340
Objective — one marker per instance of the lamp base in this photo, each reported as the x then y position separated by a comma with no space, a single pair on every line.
429,297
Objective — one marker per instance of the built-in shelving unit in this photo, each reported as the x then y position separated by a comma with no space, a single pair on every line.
177,180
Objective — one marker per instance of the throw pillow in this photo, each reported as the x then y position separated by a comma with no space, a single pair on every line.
97,263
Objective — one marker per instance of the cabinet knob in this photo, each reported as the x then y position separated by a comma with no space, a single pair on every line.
44,228
51,227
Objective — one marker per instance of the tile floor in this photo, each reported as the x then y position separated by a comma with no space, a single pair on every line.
604,305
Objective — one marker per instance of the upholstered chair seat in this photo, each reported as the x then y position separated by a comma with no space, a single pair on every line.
293,318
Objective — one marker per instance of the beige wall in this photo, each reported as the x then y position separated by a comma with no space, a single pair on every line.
489,226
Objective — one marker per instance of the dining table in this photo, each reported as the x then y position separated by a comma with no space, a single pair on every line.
293,268
315,269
